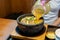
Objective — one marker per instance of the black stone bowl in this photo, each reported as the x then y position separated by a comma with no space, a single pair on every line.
29,29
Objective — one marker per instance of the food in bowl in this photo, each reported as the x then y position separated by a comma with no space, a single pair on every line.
29,25
31,20
50,35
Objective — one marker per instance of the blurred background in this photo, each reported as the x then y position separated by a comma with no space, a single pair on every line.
13,8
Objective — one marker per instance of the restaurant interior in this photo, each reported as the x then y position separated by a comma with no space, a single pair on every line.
10,11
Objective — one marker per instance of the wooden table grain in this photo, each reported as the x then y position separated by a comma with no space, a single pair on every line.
6,27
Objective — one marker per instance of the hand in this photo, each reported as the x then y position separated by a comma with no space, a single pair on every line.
46,1
57,22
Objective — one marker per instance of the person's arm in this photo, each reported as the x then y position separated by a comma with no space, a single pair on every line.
57,3
57,22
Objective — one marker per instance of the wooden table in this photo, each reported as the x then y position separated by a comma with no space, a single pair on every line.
6,27
14,34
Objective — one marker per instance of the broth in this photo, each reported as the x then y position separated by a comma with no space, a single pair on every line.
31,20
38,13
